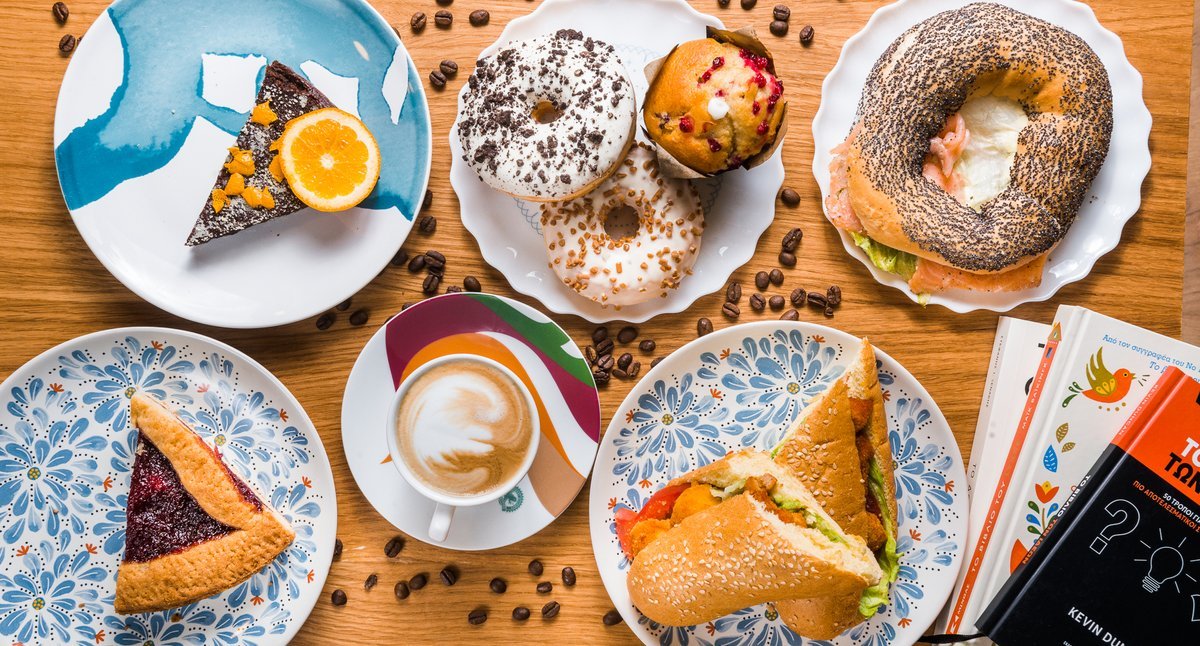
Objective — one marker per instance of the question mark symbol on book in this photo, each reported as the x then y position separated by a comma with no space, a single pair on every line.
1126,517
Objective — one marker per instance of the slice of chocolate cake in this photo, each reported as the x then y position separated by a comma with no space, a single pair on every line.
250,188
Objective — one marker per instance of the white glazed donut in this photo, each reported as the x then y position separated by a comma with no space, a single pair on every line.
648,264
547,118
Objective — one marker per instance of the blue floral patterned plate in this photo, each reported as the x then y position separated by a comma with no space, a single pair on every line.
742,387
66,450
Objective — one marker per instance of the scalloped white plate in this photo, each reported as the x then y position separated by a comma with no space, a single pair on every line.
738,205
1115,194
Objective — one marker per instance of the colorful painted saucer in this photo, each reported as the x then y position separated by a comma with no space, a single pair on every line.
155,94
742,387
66,451
526,342
738,205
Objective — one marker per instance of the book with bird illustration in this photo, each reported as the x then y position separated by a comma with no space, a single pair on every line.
1094,370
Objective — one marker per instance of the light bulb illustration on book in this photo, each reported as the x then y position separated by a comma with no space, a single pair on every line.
1166,565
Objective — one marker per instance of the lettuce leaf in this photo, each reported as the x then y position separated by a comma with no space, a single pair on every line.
889,561
886,258
816,522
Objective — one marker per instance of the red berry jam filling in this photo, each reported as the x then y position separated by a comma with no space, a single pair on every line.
707,75
753,61
718,62
162,517
685,124
762,128
714,145
756,108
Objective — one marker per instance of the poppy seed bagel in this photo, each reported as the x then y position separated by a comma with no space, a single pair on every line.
927,74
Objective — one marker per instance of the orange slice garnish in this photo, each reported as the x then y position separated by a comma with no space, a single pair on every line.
329,158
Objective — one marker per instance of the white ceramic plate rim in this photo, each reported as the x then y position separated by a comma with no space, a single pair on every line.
1129,110
329,516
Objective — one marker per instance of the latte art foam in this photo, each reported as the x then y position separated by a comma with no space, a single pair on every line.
464,428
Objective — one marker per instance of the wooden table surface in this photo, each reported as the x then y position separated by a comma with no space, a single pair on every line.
53,289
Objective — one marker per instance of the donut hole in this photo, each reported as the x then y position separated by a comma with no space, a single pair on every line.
622,222
545,112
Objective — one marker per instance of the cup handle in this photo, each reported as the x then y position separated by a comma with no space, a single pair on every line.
439,525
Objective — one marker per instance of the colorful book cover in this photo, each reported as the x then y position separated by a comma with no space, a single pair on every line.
1121,564
1093,371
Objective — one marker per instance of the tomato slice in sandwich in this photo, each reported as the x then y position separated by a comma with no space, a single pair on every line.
658,507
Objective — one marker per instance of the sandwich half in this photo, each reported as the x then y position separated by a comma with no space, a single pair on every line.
738,532
840,450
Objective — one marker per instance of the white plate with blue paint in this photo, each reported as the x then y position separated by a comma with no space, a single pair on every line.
66,452
157,91
742,387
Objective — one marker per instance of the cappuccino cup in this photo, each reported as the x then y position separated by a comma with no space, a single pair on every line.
463,431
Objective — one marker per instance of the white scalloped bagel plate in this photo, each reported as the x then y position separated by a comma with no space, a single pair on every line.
66,453
739,205
1114,197
742,387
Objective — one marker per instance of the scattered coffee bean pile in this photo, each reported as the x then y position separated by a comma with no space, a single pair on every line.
68,42
599,355
444,19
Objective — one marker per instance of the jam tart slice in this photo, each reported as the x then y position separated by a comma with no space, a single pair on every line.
194,528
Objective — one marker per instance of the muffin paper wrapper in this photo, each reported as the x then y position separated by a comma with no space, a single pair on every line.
744,38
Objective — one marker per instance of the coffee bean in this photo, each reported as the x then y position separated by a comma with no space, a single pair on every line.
401,590
403,307
635,369
599,334
781,12
703,327
568,576
427,201
443,19
61,13
791,239
338,597
535,567
817,300
479,17
722,3
417,23
67,44
370,582
779,28
427,224
550,610
749,4
731,311
789,197
417,263
605,363
798,297
520,613
430,286
776,302
589,353
656,361
545,587
601,377
337,548
620,373
828,311
757,302
612,617
400,258
761,280
787,259
437,79
342,306
776,277
445,3
624,360
806,35
418,581
359,317
448,67
393,547
790,315
449,575
627,334
834,295
477,616
647,345
435,269
325,321
453,289
733,293
498,585
471,284
604,346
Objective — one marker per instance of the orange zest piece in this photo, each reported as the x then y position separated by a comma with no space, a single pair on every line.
218,200
235,185
240,161
329,159
258,198
263,114
276,169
